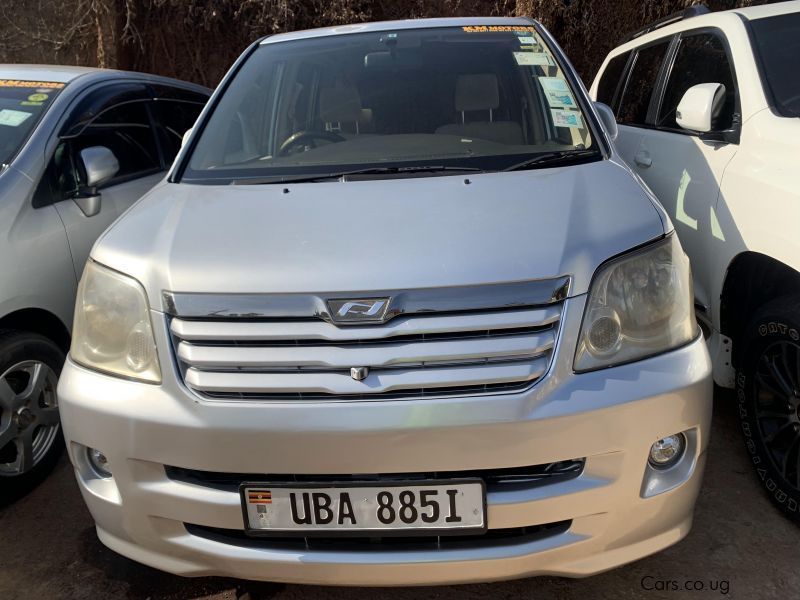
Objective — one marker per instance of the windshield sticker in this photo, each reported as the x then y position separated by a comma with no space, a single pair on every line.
495,28
533,59
38,97
557,92
16,83
566,118
529,40
13,118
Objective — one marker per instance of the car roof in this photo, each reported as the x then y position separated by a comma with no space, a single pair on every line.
768,10
395,26
65,74
710,19
54,73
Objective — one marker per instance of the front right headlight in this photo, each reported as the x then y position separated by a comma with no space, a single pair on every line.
639,304
112,331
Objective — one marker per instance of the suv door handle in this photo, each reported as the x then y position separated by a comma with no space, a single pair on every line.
643,159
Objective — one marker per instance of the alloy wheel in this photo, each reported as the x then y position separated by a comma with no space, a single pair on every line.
777,401
29,421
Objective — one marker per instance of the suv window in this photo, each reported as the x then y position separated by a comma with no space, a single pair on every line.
173,119
635,99
701,58
778,42
610,80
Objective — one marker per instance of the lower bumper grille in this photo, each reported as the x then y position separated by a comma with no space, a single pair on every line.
504,479
492,537
408,393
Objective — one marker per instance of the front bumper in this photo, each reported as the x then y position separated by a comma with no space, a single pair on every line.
617,510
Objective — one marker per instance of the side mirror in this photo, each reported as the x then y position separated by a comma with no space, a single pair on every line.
186,136
100,165
608,119
699,105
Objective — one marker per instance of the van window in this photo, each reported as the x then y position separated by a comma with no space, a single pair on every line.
480,97
701,58
641,83
125,130
610,80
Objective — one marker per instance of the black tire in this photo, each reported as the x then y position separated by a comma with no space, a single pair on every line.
768,394
18,347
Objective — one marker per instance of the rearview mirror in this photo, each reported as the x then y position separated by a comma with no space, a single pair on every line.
186,136
608,119
699,105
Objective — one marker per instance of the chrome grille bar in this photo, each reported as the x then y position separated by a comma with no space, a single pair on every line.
375,383
386,355
253,331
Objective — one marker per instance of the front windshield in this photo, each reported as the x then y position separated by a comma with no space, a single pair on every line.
778,42
21,105
474,97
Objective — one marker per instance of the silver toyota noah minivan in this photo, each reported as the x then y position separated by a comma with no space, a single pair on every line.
398,315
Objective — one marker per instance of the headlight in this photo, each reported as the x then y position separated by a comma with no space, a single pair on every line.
639,304
112,331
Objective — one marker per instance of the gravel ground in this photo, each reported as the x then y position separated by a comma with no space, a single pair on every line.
740,547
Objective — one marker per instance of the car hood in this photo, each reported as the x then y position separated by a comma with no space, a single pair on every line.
386,234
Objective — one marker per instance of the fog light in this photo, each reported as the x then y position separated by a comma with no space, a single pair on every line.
667,451
99,462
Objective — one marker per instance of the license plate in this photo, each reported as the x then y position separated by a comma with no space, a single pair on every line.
419,508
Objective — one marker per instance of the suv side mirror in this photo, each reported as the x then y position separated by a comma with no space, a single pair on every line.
699,105
608,119
100,165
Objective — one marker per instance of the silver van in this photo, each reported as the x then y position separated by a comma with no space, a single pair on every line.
77,147
398,315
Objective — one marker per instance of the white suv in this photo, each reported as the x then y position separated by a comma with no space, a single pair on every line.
707,106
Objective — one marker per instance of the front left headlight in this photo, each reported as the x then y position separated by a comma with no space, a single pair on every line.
639,305
112,331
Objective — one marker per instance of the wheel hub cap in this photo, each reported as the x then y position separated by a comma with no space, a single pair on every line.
25,419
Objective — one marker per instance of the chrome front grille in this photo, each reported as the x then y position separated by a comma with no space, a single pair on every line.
418,355
432,342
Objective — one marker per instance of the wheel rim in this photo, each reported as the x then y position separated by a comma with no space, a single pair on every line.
777,396
29,421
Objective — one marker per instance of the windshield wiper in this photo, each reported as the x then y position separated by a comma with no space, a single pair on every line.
552,159
343,175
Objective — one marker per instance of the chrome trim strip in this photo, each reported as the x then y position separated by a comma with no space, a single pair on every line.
244,332
497,296
483,351
376,383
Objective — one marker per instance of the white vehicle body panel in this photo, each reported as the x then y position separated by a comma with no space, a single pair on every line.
724,199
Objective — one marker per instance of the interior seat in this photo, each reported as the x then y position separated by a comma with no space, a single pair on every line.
480,92
341,112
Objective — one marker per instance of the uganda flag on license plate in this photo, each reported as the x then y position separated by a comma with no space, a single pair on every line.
259,497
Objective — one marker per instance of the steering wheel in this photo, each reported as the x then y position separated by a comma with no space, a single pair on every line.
307,137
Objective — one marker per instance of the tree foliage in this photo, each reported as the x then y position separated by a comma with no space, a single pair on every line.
197,40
